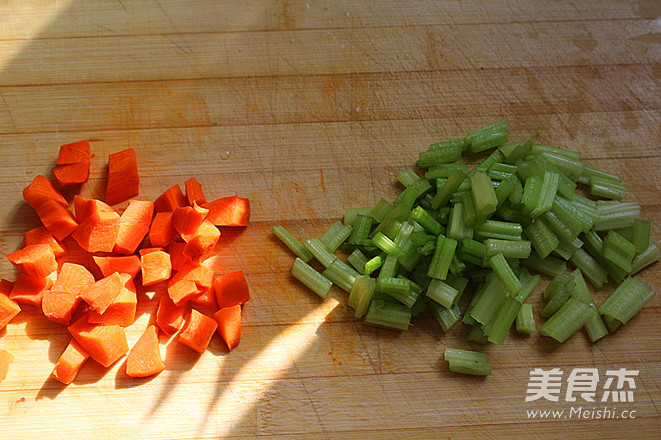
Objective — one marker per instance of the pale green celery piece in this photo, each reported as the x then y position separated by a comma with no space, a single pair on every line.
468,209
398,288
592,172
614,215
443,253
445,317
310,278
388,315
351,213
336,235
505,273
425,219
550,265
570,166
441,293
618,250
457,227
484,195
566,250
389,267
547,192
361,294
292,243
452,143
410,256
506,188
384,243
381,210
373,264
454,354
470,367
573,315
542,237
500,230
357,259
504,320
320,251
476,335
607,188
404,234
362,226
595,327
531,192
489,136
528,284
641,234
520,151
473,247
448,188
517,193
589,266
556,294
440,155
509,248
645,258
443,171
611,323
483,166
557,151
525,320
406,177
593,245
485,308
627,299
341,274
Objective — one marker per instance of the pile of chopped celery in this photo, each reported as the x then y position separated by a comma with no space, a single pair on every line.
516,212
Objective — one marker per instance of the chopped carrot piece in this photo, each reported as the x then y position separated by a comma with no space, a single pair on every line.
201,244
121,312
177,257
41,235
170,317
59,306
162,230
123,179
36,260
187,219
229,211
144,359
231,289
98,233
155,267
70,362
129,264
73,278
229,325
149,250
206,299
190,281
57,219
8,310
170,200
194,192
133,226
72,174
104,343
197,331
28,290
6,286
74,152
5,359
102,293
41,190
86,208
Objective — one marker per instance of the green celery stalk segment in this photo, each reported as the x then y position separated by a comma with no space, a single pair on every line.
460,241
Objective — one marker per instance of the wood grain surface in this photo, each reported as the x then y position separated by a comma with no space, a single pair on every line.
309,108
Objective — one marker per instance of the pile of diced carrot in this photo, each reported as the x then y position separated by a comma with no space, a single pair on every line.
166,241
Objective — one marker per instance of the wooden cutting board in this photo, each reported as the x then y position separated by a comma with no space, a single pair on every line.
309,108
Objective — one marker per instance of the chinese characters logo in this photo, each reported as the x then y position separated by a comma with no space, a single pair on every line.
582,383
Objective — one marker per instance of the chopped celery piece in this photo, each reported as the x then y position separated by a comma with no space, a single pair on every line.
473,247
439,155
452,143
546,195
615,215
518,152
542,237
487,137
525,320
532,190
357,259
442,258
509,248
641,234
504,320
442,293
445,317
503,270
618,250
320,251
448,188
477,335
572,167
557,293
468,209
567,320
381,210
361,294
591,172
407,177
611,323
312,279
410,256
351,213
388,315
608,189
595,327
336,235
493,295
443,171
389,267
528,284
386,245
556,151
342,274
505,189
627,299
589,266
498,229
372,264
457,227
398,288
484,195
484,166
566,250
466,362
451,354
292,243
426,220
645,258
549,265
362,226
